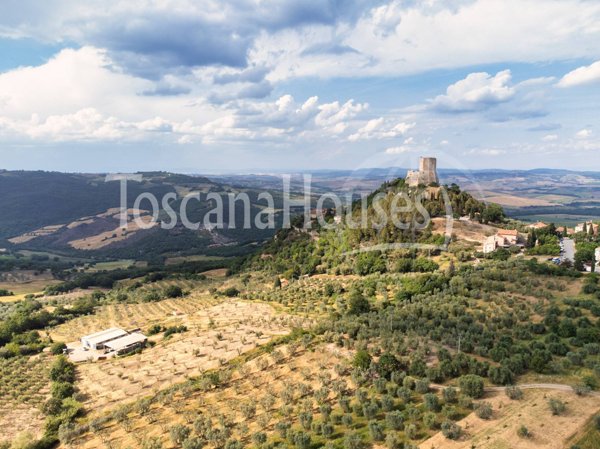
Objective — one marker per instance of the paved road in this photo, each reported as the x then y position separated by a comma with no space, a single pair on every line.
569,246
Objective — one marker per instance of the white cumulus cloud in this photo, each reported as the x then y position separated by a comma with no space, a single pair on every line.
581,76
583,134
476,92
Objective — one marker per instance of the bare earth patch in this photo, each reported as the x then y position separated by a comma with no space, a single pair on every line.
465,230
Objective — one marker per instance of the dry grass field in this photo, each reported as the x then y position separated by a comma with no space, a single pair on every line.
465,230
533,412
46,230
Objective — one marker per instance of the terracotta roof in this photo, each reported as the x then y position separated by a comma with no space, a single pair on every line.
538,225
507,232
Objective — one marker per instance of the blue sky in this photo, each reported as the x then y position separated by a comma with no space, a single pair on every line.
248,85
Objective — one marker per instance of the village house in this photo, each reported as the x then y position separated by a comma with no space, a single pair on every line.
504,238
585,226
538,225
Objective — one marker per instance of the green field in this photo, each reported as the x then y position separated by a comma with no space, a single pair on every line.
29,253
196,258
115,265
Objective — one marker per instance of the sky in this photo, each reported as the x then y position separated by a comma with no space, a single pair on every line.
286,85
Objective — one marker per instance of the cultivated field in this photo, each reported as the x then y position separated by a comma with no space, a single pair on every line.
217,332
273,382
109,237
46,230
132,316
24,386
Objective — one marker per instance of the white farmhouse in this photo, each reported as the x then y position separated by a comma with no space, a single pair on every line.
98,340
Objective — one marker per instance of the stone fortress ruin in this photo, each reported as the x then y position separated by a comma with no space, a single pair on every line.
426,175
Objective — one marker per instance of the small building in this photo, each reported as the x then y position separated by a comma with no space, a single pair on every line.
587,226
98,340
128,343
538,225
504,238
511,236
597,256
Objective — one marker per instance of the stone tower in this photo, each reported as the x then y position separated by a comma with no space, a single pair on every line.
428,170
426,175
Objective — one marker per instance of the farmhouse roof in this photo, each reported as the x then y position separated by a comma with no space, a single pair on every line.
126,341
102,336
507,232
538,225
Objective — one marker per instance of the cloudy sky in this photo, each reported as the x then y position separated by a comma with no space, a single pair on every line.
262,85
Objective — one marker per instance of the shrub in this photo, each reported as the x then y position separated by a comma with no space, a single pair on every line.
174,330
173,291
557,407
471,385
514,393
523,432
411,431
450,395
231,292
306,419
193,443
327,430
57,348
62,390
362,359
155,329
353,440
484,410
233,444
451,430
283,428
358,304
430,421
259,438
62,370
179,433
393,441
422,386
431,402
376,431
